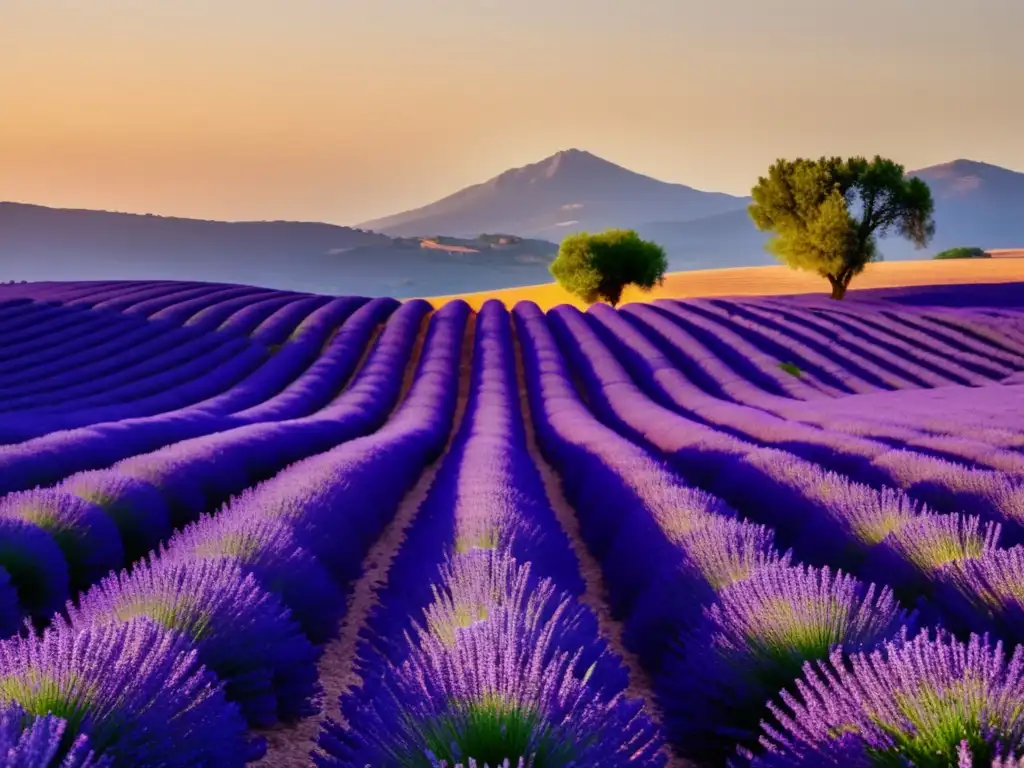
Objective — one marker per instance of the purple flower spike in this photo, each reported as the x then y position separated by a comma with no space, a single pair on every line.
242,633
726,550
268,548
719,553
911,555
87,537
755,641
928,702
987,593
137,508
36,566
136,690
26,741
499,689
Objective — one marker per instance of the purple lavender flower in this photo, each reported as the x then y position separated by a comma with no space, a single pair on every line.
136,690
725,550
269,549
137,508
241,632
27,741
911,555
87,537
473,585
931,701
987,593
494,690
36,566
754,642
181,476
720,552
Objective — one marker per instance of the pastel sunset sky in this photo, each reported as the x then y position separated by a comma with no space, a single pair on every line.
343,110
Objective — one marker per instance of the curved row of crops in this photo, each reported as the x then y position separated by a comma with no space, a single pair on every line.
808,520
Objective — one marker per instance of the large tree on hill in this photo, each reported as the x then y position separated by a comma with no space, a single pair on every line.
598,267
826,214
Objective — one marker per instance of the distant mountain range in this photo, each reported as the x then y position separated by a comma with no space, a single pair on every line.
38,243
439,249
573,190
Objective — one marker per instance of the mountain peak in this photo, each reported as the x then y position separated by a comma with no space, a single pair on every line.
962,167
571,162
964,177
570,190
572,151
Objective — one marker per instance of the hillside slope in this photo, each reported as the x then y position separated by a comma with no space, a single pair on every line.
39,243
569,191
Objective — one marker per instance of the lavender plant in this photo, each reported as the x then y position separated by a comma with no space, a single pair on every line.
137,508
269,549
136,690
754,642
926,702
492,690
241,632
27,741
87,537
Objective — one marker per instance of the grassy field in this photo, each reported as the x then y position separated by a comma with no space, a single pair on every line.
775,280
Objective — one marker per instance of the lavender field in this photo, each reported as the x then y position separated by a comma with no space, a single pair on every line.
240,525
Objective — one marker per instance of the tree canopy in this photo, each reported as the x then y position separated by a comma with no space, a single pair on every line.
598,267
963,252
827,214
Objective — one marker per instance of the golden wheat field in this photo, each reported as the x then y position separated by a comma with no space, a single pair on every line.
773,280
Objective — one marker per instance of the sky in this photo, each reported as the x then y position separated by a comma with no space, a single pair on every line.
345,110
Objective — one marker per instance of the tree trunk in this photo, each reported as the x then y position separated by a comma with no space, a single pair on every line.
838,287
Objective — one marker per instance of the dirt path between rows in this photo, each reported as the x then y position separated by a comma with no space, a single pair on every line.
594,594
290,747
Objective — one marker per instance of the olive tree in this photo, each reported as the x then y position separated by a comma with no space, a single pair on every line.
827,214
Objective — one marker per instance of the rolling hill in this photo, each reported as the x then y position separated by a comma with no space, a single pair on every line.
39,243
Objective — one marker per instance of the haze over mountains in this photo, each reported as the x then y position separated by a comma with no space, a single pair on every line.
38,243
402,255
573,190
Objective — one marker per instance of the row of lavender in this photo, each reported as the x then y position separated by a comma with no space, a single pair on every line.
56,542
739,362
167,663
847,350
480,647
706,435
64,383
309,372
723,621
950,558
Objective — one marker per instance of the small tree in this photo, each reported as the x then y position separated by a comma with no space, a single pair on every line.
964,252
826,214
596,267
